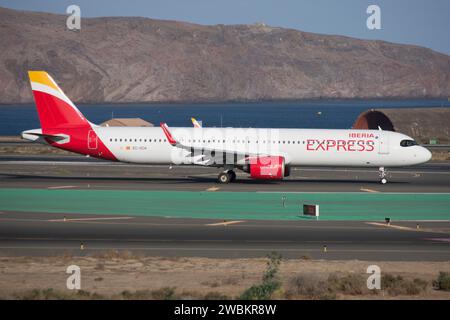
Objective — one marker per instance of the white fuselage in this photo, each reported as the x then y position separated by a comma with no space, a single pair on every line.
300,147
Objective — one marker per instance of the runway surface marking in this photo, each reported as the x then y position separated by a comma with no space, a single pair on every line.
369,171
110,164
213,189
434,230
225,223
347,192
439,239
369,190
61,187
184,224
379,224
89,219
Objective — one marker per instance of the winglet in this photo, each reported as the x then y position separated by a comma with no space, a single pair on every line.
165,128
195,123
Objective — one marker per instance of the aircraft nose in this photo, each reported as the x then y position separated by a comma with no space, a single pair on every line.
426,154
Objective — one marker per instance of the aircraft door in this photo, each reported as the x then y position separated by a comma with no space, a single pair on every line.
383,142
92,140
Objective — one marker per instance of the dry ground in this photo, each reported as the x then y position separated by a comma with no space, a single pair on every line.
112,273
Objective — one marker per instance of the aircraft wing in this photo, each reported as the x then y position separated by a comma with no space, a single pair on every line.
209,156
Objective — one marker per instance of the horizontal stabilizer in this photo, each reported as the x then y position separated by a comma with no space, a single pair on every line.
53,137
38,136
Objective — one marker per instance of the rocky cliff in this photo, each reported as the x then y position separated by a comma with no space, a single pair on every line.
139,59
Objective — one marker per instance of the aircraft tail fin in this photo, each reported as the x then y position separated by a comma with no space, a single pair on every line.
54,108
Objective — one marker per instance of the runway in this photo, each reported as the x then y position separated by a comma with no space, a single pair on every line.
82,172
37,234
30,232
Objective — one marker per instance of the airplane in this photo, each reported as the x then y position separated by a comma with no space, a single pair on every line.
266,154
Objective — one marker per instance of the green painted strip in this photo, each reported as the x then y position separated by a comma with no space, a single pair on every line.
228,205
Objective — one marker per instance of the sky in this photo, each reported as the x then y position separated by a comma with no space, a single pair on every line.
419,22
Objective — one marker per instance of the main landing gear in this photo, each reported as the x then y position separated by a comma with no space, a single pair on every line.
383,175
227,176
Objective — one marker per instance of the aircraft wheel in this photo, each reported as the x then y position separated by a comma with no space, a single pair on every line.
383,181
224,177
233,176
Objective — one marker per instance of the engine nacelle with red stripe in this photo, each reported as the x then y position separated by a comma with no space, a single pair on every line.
267,168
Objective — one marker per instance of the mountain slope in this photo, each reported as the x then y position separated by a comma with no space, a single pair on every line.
139,59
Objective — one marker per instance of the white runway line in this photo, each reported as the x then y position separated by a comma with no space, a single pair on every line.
112,164
61,187
369,190
371,171
355,192
90,219
225,223
379,224
439,239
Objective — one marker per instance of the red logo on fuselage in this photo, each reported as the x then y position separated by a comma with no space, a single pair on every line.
340,145
361,135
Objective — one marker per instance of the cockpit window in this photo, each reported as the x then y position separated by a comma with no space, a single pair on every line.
408,143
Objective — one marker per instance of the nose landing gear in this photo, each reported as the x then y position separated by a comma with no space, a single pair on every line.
383,174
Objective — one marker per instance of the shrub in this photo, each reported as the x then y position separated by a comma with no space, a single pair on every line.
166,293
310,287
350,284
215,296
52,294
442,282
270,281
397,285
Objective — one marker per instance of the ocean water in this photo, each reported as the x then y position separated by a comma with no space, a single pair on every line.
302,114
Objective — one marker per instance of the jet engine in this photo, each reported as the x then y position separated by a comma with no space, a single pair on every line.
267,168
